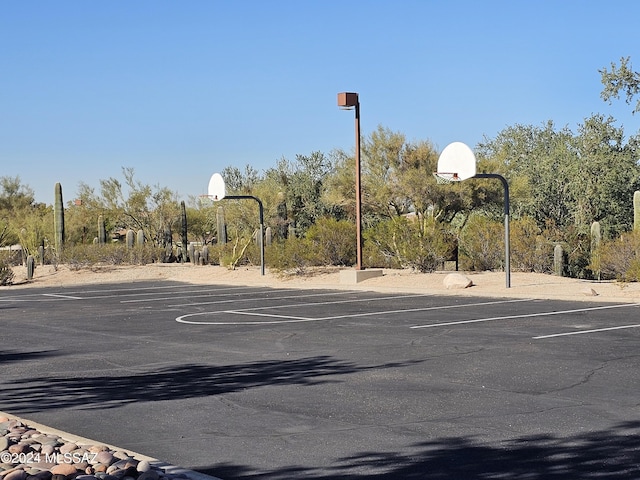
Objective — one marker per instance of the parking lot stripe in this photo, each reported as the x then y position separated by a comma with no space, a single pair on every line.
57,295
528,315
582,332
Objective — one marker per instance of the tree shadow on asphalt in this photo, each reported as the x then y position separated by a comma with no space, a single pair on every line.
612,454
186,381
18,356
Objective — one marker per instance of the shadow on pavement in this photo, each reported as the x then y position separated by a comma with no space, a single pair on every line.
186,381
613,454
18,356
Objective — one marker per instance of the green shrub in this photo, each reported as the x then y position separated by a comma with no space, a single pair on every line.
291,256
620,258
223,254
328,242
6,272
422,244
482,244
530,250
11,257
576,243
85,256
145,254
215,253
332,241
373,256
80,256
236,252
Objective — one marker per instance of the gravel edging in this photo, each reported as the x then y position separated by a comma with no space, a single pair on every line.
31,451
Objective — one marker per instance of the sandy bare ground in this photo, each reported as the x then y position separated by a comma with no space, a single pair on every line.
486,284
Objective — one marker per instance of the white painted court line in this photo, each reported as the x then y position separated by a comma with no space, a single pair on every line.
166,294
139,292
139,289
282,319
212,293
582,332
255,299
145,291
37,298
332,302
528,315
67,297
288,319
297,319
421,309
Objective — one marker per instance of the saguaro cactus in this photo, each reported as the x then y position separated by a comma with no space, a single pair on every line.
23,245
58,218
183,231
268,236
168,244
130,238
558,260
140,238
636,211
41,252
596,235
102,230
596,240
281,210
31,266
191,250
222,226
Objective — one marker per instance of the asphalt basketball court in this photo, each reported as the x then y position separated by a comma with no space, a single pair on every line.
248,382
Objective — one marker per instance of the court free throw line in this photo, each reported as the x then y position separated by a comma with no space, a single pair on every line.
296,319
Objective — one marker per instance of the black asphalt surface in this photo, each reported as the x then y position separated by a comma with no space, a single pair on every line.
246,382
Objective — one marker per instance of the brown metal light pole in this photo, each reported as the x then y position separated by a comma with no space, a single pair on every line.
348,100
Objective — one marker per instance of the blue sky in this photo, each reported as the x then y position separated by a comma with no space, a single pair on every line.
179,90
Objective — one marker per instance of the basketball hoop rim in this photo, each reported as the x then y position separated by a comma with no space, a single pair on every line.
447,177
210,197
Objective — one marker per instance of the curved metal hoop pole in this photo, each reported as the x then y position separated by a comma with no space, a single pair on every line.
251,197
507,248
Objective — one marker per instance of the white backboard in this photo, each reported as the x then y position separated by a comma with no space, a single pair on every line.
457,158
217,189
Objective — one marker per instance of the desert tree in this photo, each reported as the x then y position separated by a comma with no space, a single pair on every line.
621,78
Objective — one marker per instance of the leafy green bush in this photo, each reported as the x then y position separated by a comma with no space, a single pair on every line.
332,241
375,257
215,253
6,272
482,244
422,244
79,256
620,258
85,256
291,256
327,242
11,257
145,254
530,250
576,243
234,253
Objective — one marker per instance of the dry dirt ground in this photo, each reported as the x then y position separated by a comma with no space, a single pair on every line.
485,284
